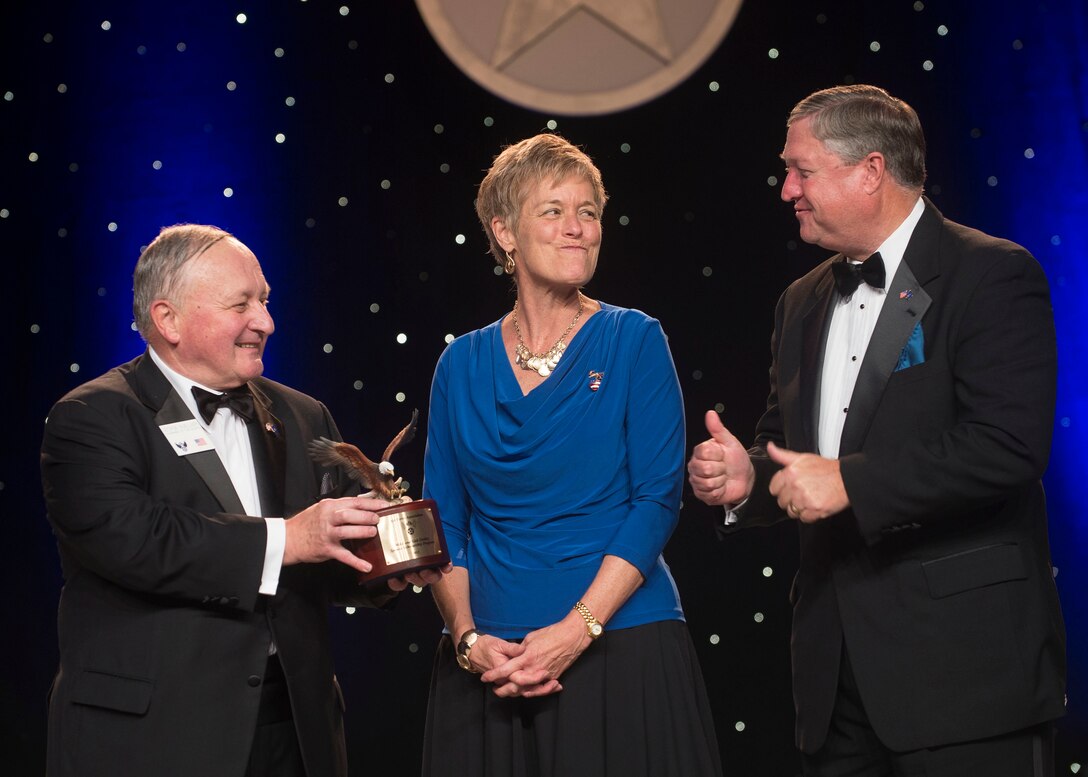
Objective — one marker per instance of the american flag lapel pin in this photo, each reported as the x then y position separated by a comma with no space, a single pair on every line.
906,294
595,380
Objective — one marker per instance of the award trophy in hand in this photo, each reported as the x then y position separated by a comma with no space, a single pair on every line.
410,535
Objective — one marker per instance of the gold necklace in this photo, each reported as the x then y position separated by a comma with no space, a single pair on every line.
542,363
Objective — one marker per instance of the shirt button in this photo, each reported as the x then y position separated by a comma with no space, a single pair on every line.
253,681
845,409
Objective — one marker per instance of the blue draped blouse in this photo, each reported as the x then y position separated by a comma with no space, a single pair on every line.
534,490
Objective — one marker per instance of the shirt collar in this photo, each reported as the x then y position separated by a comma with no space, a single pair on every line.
895,245
181,384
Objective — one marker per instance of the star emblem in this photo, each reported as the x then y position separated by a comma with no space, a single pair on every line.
525,22
578,57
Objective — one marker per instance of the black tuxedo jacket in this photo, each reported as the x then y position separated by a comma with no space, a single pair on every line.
163,635
938,578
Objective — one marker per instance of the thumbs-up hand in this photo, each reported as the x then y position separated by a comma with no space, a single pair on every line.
808,487
720,471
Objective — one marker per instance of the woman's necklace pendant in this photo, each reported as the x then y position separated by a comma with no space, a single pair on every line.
542,363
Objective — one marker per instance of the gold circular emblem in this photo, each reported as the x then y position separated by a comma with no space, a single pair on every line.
578,57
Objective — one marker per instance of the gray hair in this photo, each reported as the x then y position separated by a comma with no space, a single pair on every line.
522,165
158,273
852,121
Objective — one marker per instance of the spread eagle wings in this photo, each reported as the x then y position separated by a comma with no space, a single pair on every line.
404,436
374,476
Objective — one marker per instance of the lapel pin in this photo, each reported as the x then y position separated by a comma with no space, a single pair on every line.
595,380
907,294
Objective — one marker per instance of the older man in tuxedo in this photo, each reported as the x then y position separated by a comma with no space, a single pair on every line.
907,428
201,547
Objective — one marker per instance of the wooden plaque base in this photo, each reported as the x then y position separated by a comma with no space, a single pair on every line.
409,539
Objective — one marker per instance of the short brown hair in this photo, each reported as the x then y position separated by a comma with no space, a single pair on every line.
518,167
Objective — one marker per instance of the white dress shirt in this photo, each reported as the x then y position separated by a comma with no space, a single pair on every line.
853,320
231,439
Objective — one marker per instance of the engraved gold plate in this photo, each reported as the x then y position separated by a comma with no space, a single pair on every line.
409,539
408,535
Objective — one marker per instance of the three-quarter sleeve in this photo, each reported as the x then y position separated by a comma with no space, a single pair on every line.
442,480
654,434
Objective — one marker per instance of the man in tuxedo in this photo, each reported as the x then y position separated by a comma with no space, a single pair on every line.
200,544
906,431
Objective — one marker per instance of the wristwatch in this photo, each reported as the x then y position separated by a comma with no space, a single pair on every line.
593,626
464,647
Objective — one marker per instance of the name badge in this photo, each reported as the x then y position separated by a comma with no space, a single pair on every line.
187,437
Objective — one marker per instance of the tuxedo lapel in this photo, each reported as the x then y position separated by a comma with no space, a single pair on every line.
269,454
154,390
206,463
904,307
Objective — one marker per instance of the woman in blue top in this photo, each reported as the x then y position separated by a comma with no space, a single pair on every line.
555,451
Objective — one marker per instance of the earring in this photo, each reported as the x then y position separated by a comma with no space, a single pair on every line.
508,264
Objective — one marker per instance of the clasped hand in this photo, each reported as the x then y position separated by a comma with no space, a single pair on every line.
533,666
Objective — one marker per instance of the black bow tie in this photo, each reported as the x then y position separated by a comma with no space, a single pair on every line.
848,276
239,400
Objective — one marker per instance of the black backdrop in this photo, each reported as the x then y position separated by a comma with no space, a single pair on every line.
117,118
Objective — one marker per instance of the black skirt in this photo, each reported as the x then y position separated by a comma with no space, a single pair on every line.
632,705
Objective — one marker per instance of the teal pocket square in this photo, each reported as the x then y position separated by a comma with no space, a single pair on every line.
914,351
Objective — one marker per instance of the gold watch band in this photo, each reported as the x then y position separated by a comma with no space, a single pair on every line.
593,626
